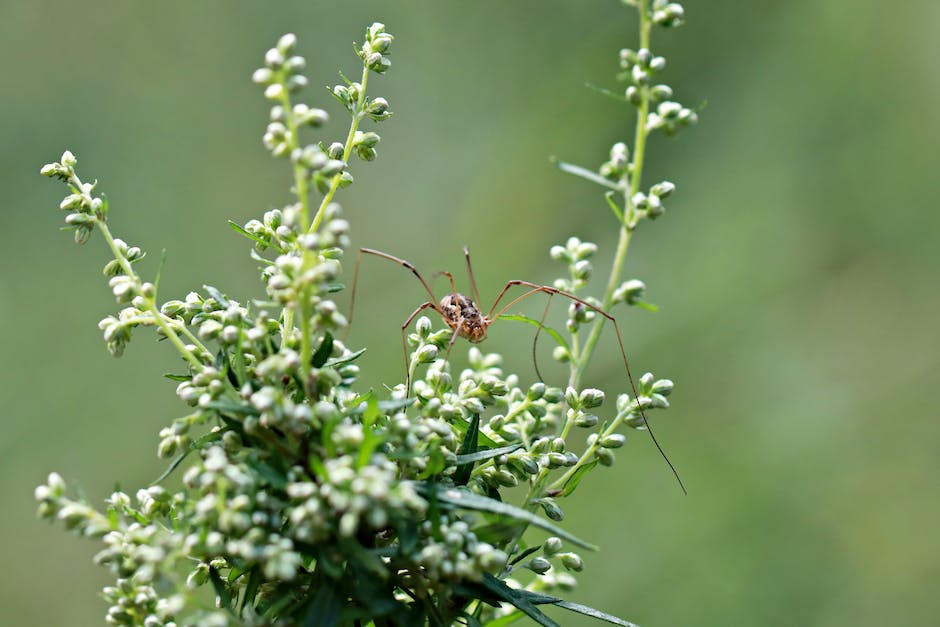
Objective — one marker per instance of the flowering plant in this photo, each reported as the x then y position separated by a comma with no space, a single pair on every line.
305,500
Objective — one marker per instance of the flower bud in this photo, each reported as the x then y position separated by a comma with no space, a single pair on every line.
605,456
551,509
287,42
426,354
572,561
663,387
273,58
274,91
552,545
262,76
539,565
591,398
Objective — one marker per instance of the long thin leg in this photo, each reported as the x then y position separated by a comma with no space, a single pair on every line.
401,262
404,344
450,277
473,281
535,340
534,288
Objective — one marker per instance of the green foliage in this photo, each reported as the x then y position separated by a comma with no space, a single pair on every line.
305,500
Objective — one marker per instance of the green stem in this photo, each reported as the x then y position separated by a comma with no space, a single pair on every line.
626,232
347,150
589,452
150,305
626,229
303,300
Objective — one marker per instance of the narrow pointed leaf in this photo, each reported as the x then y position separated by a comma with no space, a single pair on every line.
323,352
345,359
464,499
251,236
576,478
467,448
535,323
516,599
471,458
587,175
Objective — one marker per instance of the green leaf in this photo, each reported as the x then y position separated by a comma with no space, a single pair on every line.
576,478
269,473
156,280
467,447
606,92
593,613
471,458
177,377
464,499
221,590
323,352
587,175
517,599
326,606
482,439
255,579
251,236
535,323
537,598
609,196
345,359
508,619
529,551
217,295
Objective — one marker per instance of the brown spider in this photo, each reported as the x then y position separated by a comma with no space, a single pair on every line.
462,314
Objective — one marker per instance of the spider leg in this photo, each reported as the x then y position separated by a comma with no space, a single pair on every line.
404,343
473,281
535,340
406,264
450,277
535,288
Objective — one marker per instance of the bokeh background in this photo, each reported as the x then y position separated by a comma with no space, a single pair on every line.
796,268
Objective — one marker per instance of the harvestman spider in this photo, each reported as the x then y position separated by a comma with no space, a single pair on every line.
467,320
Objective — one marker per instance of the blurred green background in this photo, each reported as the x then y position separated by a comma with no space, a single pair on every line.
796,268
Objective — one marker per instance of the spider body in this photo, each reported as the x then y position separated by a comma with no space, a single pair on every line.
463,316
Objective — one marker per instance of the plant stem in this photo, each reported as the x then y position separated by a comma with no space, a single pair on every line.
626,229
151,306
304,300
347,150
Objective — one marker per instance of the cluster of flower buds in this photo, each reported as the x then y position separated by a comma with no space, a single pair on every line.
639,68
653,393
618,166
452,552
375,51
668,14
650,205
577,255
630,292
84,209
283,70
670,116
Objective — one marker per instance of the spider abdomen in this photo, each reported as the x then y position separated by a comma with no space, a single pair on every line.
462,315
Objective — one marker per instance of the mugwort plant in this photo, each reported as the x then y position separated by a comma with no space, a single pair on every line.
303,499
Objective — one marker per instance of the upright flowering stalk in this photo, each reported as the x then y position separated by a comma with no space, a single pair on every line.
305,500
